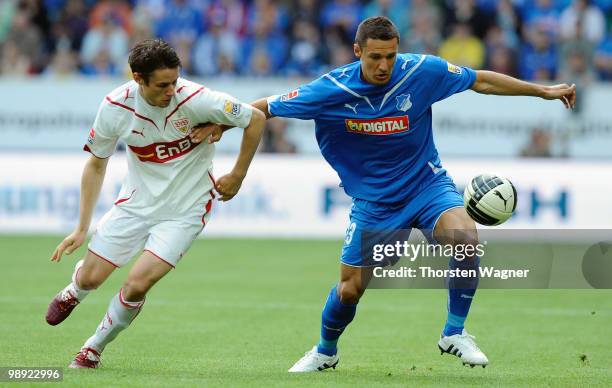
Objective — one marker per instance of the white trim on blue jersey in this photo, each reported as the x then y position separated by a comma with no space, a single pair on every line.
348,90
397,85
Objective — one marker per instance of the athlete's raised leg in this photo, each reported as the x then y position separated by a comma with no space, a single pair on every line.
123,308
88,275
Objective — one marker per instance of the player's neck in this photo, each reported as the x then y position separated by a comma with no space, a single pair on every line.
361,76
149,103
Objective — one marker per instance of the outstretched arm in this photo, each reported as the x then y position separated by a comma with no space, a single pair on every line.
490,82
91,183
214,131
262,105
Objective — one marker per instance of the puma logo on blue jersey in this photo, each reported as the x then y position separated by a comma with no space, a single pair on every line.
344,72
353,108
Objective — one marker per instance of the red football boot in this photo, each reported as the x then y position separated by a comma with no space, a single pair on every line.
60,307
86,358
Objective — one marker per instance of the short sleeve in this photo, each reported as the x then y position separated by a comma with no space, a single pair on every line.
302,103
102,139
211,106
451,79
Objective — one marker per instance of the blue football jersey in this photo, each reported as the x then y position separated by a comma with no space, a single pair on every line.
378,138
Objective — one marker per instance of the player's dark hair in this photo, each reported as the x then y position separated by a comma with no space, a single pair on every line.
378,28
150,55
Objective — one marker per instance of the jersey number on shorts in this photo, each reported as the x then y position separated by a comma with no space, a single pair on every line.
350,231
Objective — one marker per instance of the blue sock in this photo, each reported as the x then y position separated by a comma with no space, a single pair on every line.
460,294
335,318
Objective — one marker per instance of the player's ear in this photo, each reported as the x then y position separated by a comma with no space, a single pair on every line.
138,78
357,50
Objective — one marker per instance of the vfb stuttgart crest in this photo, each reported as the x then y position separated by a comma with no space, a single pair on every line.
181,124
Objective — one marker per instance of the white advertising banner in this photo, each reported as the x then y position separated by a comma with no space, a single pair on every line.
46,114
298,196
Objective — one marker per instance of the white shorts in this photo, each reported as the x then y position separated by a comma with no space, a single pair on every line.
120,235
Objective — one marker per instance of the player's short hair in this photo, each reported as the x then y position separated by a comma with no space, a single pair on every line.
376,27
150,55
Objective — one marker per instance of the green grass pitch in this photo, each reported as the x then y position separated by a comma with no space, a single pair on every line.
240,312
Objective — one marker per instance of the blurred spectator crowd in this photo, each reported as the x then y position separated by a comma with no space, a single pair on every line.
544,40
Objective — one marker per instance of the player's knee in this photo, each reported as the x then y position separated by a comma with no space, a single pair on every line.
467,247
349,292
88,281
471,241
135,289
465,237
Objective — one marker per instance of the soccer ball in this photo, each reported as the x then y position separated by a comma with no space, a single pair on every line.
489,199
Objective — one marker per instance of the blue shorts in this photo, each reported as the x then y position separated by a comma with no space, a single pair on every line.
421,212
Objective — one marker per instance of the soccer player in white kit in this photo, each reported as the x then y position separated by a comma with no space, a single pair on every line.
166,199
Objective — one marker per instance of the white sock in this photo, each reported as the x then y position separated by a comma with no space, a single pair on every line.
72,288
118,317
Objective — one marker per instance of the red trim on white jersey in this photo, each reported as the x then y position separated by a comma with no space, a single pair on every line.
181,103
132,110
121,200
101,257
86,148
212,178
212,194
206,210
157,256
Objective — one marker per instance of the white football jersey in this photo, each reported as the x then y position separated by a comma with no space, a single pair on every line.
168,175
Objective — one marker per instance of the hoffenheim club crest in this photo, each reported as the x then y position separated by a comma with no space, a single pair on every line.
403,102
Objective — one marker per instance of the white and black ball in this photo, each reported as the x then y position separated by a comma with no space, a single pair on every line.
490,199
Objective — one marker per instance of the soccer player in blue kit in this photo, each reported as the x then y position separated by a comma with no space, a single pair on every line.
373,123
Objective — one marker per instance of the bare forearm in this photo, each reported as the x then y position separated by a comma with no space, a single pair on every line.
489,82
250,142
262,105
91,184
